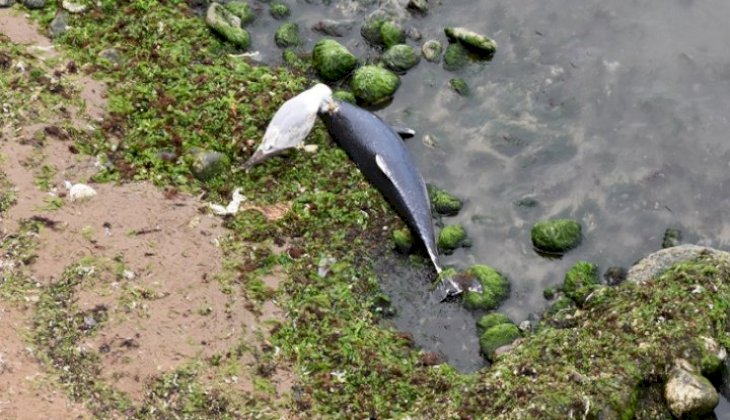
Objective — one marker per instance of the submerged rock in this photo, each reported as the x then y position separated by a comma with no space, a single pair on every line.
227,25
419,6
345,96
496,337
672,237
432,50
442,202
374,85
450,238
336,28
459,86
614,276
379,31
279,10
482,46
287,35
495,287
332,60
556,236
689,394
580,281
400,58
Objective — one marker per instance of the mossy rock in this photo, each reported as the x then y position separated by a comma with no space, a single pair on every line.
556,236
444,203
459,86
345,96
451,237
370,30
242,10
279,10
672,237
432,50
403,240
227,25
400,58
480,45
294,61
287,36
491,319
580,281
498,336
551,292
456,57
332,60
392,33
495,288
374,85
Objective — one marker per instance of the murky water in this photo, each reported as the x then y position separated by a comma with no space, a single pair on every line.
612,113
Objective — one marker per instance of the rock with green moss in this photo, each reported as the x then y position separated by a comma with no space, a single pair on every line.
287,36
345,96
227,25
374,85
380,31
279,10
713,355
207,164
442,202
672,237
432,50
450,238
332,60
556,236
294,61
498,336
550,292
479,44
400,58
495,287
580,281
392,33
242,10
403,240
459,86
456,57
491,319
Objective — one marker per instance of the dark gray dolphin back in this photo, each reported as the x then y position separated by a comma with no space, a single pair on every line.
363,135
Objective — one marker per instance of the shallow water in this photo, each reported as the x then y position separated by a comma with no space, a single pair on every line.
612,113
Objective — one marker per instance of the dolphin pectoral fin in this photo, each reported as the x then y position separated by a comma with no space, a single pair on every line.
404,132
445,288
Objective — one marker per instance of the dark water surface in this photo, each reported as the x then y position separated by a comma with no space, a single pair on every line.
611,113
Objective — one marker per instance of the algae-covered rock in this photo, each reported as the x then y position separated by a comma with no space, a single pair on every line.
293,60
400,58
332,60
392,33
479,44
556,236
459,86
491,319
418,6
580,280
242,10
672,237
345,96
207,164
442,202
432,50
456,57
227,25
373,85
287,35
403,240
495,288
689,394
713,355
498,336
451,237
380,31
550,292
279,10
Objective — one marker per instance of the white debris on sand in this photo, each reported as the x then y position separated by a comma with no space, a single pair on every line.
79,191
232,207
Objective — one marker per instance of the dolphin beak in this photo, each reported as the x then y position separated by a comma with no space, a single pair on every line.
258,157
